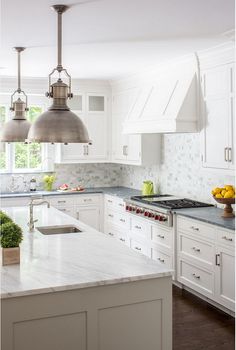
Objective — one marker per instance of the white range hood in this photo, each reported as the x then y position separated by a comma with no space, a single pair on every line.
167,103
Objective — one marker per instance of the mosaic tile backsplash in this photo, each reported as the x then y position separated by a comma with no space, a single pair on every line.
180,172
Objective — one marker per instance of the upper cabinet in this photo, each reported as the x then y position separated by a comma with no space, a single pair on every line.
130,149
93,109
218,116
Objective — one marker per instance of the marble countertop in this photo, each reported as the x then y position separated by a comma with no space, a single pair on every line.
211,215
119,191
61,262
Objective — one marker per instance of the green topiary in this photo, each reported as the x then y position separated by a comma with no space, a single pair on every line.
11,235
4,218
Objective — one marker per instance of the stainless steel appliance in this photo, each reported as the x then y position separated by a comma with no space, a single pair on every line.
159,207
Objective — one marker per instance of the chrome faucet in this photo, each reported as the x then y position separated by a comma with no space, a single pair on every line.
31,207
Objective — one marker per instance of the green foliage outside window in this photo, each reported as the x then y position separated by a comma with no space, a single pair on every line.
29,156
25,156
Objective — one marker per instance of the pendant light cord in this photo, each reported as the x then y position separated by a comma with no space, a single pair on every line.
19,73
19,50
59,42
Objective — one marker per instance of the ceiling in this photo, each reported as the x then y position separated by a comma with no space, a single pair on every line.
106,39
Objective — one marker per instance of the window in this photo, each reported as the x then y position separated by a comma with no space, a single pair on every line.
28,156
21,157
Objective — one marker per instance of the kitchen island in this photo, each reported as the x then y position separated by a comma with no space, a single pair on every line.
82,290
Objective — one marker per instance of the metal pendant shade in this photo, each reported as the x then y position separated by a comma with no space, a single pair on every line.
16,130
59,124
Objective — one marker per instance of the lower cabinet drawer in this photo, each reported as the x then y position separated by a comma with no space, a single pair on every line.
195,227
140,248
69,211
226,238
162,236
162,258
198,250
140,227
123,239
86,200
196,278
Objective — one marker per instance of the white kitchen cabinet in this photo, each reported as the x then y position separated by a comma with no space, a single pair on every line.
93,110
218,117
206,260
225,277
130,149
89,215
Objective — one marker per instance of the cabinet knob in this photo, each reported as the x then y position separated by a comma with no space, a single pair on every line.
196,276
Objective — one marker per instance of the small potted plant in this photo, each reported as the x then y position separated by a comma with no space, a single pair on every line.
11,237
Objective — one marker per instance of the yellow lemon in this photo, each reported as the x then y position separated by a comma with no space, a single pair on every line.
228,187
218,195
223,192
216,190
229,194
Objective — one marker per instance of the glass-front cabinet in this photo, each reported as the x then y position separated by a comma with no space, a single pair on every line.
92,109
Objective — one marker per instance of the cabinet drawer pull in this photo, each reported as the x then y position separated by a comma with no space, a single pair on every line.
226,154
229,154
161,260
121,205
196,249
122,220
194,228
160,236
217,259
61,201
196,276
122,239
87,199
137,248
109,201
227,239
138,227
63,209
111,216
111,234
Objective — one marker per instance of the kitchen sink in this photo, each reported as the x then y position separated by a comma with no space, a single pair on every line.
57,230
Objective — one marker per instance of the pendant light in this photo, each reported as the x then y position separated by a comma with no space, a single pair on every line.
16,130
59,124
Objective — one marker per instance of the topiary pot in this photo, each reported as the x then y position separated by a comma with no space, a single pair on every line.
10,256
11,237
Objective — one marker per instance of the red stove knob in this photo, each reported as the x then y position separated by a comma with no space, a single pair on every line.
157,217
127,207
161,218
137,211
146,213
150,215
130,208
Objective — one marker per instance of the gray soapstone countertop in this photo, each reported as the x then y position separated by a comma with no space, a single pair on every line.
210,215
119,191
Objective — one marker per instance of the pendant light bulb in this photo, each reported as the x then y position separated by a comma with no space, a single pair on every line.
16,130
58,124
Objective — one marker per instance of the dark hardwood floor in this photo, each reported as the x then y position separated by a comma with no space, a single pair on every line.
199,326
